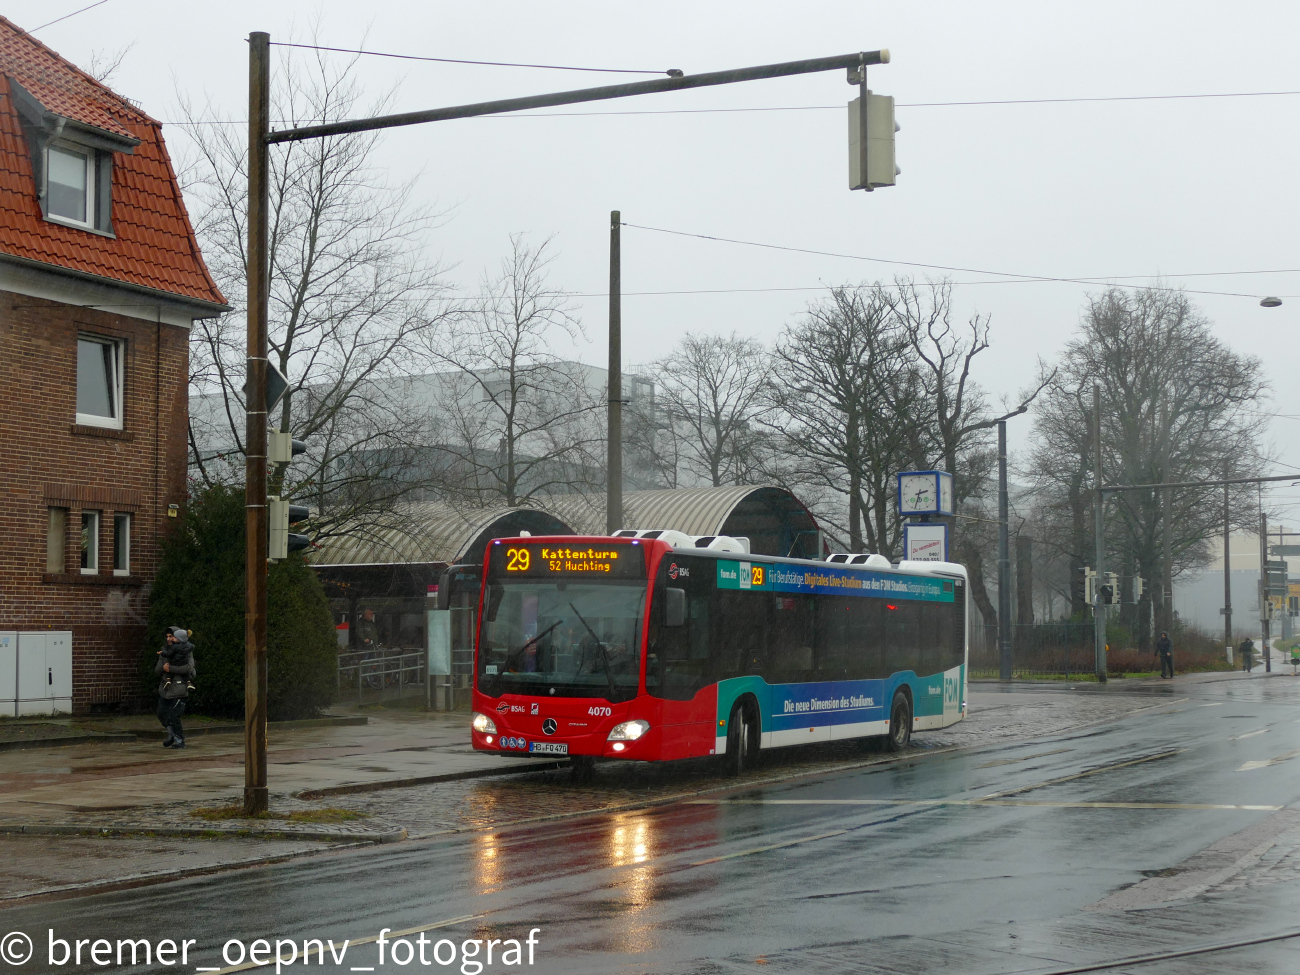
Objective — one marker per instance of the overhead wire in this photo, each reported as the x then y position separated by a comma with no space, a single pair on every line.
59,20
1018,277
493,64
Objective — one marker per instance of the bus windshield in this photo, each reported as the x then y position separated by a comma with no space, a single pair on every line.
567,639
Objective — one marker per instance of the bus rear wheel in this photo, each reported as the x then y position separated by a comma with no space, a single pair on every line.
742,740
900,723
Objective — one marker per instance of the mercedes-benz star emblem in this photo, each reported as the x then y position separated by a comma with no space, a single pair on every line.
549,726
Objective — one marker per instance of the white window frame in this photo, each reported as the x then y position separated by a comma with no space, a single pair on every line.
119,362
91,179
89,547
122,531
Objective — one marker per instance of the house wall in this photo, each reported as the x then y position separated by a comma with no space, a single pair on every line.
51,461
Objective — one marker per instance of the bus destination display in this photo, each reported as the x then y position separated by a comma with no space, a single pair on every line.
545,559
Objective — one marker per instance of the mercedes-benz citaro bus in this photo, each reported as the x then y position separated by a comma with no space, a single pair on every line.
655,645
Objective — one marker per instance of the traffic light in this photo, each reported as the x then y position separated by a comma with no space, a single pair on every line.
281,448
1089,586
1139,587
1111,589
280,515
871,164
1107,595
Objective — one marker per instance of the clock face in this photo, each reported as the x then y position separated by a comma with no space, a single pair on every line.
916,493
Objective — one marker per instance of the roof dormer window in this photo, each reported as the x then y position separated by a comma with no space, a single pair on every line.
72,163
70,192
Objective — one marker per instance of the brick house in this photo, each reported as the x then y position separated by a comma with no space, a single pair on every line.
100,281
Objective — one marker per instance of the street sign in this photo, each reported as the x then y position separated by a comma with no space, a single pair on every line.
925,541
1277,578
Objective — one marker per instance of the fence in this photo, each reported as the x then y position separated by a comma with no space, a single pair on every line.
1037,649
381,670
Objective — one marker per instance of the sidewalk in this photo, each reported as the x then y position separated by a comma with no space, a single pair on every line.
121,766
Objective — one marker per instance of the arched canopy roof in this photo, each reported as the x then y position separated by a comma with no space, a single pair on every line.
774,520
436,533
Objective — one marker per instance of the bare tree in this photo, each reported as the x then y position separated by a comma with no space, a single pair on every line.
954,421
523,421
355,303
1177,405
711,401
844,397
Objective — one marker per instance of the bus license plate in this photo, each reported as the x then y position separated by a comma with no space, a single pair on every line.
548,747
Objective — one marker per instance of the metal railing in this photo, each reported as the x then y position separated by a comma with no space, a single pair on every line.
1037,649
380,670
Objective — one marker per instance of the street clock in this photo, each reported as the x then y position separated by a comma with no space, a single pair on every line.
924,493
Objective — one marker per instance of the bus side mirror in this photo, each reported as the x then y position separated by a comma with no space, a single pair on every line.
444,590
675,607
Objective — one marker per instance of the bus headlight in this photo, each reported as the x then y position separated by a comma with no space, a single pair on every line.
628,730
483,724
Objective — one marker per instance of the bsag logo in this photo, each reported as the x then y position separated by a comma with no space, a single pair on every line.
503,707
672,571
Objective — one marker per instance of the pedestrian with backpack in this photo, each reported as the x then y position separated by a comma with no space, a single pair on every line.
175,667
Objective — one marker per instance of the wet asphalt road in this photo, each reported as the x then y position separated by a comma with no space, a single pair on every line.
1015,858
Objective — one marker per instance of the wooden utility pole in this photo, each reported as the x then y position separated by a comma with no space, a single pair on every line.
614,463
255,788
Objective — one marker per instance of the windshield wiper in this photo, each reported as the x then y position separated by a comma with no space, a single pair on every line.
512,658
604,656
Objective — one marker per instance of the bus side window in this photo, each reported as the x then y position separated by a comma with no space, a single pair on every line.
865,639
738,634
902,636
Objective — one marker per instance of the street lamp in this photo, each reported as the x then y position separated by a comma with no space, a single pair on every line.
1269,302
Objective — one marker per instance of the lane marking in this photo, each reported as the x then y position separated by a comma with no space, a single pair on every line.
1013,761
249,966
1275,760
1079,775
1249,734
764,849
1042,803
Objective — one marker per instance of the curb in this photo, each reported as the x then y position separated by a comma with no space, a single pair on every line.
24,743
207,832
131,881
483,773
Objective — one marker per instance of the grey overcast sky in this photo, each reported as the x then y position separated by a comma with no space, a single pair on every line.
1163,188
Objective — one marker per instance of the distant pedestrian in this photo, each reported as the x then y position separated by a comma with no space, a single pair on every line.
175,666
367,631
1247,650
1165,651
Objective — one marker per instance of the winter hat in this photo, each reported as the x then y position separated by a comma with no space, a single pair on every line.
180,633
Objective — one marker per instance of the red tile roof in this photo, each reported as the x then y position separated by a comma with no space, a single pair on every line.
154,245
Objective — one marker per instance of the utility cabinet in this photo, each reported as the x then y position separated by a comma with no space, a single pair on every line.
8,674
44,672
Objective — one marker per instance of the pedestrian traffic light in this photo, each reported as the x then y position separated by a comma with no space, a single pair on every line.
281,514
1107,595
871,161
1089,586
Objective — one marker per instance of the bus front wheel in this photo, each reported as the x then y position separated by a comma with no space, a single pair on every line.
900,723
742,746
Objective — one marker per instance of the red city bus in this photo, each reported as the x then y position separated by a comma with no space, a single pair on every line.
657,646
